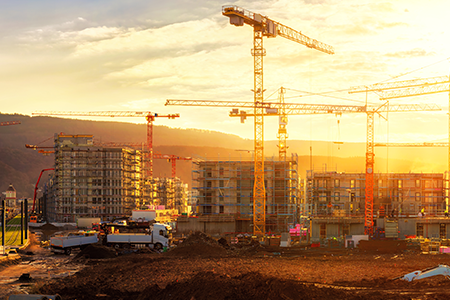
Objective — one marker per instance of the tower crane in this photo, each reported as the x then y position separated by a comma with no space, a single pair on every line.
406,88
7,123
149,117
391,90
424,144
44,152
370,153
271,109
173,159
108,144
264,27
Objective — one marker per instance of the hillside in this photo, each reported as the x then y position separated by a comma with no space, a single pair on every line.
21,166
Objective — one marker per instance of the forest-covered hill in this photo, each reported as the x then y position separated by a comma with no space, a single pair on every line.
21,166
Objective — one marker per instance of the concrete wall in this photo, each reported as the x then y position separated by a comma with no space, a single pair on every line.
336,229
431,230
406,226
356,229
431,227
193,225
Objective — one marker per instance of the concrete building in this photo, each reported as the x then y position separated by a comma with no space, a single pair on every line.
170,192
224,196
93,181
106,182
335,203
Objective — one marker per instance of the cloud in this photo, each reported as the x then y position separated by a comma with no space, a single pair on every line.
105,55
411,53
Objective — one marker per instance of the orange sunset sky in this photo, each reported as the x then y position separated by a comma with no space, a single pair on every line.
133,55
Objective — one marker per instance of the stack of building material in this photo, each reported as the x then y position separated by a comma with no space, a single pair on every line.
274,241
434,247
285,240
425,246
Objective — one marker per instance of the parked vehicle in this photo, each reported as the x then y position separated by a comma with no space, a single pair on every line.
157,237
65,244
87,222
143,215
120,222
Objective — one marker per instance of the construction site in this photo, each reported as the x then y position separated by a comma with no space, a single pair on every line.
251,227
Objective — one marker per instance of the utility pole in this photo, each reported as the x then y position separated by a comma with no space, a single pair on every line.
3,226
21,223
26,218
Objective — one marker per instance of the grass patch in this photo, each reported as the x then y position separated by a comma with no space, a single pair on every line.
12,233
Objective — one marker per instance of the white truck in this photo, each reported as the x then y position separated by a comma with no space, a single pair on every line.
65,244
143,215
157,237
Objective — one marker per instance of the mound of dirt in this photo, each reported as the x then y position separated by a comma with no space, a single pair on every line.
47,230
198,244
48,227
251,248
383,246
251,285
94,251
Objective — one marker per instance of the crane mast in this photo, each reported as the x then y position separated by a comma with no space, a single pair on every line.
282,132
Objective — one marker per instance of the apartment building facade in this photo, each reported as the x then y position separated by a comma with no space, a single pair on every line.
170,192
335,202
344,193
224,194
107,182
93,181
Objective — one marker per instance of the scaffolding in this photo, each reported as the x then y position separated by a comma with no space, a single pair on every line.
224,189
170,192
93,181
343,194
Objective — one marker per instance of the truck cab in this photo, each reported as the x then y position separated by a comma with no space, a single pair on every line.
162,230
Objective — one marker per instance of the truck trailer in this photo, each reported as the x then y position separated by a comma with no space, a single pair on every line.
157,237
65,244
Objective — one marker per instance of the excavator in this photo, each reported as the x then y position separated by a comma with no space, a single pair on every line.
416,275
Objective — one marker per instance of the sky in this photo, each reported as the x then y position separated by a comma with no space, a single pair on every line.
132,55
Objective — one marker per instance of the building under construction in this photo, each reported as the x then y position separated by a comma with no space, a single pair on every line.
106,182
170,192
224,195
335,203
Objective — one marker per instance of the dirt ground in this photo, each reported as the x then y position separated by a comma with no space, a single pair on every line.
203,268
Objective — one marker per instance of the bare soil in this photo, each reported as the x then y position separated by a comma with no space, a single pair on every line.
201,268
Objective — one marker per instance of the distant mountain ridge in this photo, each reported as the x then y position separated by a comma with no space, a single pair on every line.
21,166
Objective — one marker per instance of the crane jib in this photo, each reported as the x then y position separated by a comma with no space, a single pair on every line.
270,28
